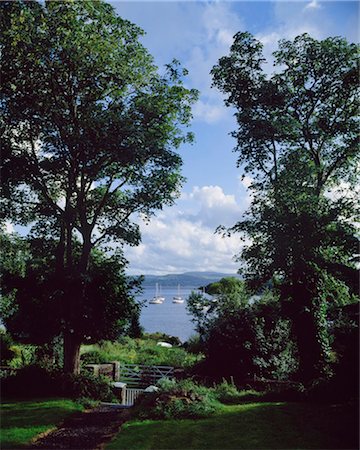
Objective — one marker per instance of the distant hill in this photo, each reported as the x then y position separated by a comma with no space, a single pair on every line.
188,279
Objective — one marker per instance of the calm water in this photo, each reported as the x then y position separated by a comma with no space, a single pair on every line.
169,317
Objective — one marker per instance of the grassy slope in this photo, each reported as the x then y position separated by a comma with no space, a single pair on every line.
248,426
141,351
21,421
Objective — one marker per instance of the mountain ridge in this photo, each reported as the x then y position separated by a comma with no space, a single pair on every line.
190,279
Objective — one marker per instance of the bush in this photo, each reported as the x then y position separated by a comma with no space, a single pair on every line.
228,393
94,357
35,381
177,400
195,345
86,385
333,389
7,352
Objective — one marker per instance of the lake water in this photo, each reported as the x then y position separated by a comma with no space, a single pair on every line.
168,317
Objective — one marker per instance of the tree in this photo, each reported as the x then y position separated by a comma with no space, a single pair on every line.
243,336
231,295
31,306
298,139
89,130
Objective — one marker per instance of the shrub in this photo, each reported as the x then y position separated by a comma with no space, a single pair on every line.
86,385
30,381
94,357
6,351
195,345
87,403
35,381
228,393
177,400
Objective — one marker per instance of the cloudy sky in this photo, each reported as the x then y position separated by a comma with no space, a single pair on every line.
181,238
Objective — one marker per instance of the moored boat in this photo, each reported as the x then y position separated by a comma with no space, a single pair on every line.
157,299
177,298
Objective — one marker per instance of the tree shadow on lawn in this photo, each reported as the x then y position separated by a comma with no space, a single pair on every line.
250,426
23,420
30,414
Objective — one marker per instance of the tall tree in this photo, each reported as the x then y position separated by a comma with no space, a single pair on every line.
298,139
89,131
32,306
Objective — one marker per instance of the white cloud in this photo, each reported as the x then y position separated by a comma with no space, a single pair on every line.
216,26
314,4
209,112
182,238
214,207
292,19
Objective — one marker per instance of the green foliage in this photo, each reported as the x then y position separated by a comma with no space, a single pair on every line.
228,393
94,357
243,341
109,308
177,400
227,286
138,351
231,295
86,386
195,345
90,131
7,352
35,381
298,140
275,355
345,343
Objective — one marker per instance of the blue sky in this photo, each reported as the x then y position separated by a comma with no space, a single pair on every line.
181,238
198,33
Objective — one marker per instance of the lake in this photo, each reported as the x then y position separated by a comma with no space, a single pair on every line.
168,317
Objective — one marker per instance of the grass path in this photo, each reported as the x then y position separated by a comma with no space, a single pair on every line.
248,426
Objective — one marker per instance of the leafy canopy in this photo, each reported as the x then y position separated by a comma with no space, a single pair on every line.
297,138
89,125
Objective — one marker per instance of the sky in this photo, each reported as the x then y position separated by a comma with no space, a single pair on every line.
182,238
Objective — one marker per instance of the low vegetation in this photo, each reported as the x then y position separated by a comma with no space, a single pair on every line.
21,421
140,351
35,381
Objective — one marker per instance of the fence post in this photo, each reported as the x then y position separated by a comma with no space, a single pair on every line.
116,370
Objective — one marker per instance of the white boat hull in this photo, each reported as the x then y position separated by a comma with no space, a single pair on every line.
156,301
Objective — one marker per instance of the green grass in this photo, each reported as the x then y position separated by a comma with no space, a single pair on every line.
248,426
141,351
23,420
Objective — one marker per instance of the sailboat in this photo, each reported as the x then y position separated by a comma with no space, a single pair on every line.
177,298
157,299
160,296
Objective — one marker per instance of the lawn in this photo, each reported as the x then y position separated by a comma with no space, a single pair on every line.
249,426
22,421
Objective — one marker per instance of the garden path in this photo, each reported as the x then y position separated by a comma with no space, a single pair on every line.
88,430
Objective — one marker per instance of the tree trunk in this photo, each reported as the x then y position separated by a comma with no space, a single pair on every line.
71,353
